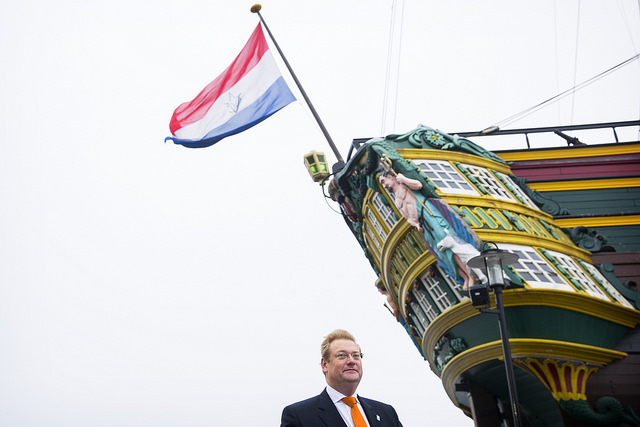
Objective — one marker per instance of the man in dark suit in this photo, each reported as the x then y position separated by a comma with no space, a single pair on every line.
338,405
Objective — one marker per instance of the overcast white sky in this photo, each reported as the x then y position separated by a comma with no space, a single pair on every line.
146,284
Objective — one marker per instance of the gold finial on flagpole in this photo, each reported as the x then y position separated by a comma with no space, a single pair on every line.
256,8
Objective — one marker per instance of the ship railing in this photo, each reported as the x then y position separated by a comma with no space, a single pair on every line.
560,131
630,131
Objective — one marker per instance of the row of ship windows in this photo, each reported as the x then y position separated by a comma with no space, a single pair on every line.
449,180
541,269
477,217
469,180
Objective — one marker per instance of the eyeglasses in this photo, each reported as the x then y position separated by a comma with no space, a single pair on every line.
345,356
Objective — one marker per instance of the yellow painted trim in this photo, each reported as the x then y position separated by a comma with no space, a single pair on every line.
394,238
579,302
585,184
365,218
415,270
418,266
441,324
568,387
526,239
521,348
565,153
371,247
599,221
452,156
491,203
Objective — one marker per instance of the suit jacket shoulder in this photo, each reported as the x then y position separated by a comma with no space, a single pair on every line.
318,411
379,414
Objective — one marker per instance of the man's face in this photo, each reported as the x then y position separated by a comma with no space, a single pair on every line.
387,182
343,374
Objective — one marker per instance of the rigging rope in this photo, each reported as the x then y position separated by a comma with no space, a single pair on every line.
388,73
395,99
390,57
537,107
575,62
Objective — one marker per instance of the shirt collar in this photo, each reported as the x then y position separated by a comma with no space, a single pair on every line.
336,396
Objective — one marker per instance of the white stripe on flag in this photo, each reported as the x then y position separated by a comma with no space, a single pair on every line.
249,88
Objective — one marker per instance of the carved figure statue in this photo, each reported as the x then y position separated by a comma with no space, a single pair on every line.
464,250
428,216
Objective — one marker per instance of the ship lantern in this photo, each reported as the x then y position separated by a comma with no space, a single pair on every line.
491,261
316,164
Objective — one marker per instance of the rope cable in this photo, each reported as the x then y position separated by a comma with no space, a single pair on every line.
395,100
575,62
385,99
557,51
567,92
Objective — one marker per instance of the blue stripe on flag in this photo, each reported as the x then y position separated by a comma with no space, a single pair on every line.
275,98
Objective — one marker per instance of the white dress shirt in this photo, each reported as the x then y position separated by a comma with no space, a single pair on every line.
343,408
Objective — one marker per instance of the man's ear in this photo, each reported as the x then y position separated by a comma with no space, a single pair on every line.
323,364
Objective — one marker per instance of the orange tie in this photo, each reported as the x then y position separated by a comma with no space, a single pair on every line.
358,421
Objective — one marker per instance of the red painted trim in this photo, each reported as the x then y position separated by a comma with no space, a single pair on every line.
578,168
580,380
567,379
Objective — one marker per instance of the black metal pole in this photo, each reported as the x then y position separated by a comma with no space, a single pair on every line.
508,363
256,9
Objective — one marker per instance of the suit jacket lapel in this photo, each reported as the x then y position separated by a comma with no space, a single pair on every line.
369,412
328,412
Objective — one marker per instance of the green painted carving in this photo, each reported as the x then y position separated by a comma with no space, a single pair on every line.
428,138
446,349
515,221
463,215
609,412
350,195
588,239
546,204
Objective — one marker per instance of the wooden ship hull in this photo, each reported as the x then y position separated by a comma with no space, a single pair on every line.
572,324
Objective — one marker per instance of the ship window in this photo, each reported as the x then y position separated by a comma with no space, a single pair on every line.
606,284
418,318
579,275
374,242
446,177
436,291
536,270
376,225
423,301
490,183
516,189
385,211
453,285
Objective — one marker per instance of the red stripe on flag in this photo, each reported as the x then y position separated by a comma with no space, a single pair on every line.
251,54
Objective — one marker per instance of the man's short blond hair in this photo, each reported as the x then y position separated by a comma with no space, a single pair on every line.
338,334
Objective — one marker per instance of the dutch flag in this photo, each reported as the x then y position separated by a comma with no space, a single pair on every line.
250,90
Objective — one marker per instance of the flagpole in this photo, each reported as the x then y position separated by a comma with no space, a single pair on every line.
256,9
